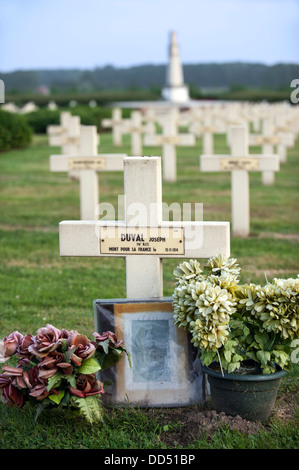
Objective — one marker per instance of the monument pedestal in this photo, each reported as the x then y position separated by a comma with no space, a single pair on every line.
178,94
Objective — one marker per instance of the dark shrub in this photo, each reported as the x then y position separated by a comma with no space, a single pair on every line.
15,131
39,120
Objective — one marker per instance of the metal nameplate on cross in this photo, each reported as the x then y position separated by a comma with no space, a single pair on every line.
239,163
142,240
88,163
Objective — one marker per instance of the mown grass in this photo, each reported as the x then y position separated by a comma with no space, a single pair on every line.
39,287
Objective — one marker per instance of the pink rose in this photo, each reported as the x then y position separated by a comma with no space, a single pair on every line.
11,395
22,350
108,335
84,348
51,363
87,385
38,384
9,345
19,378
46,340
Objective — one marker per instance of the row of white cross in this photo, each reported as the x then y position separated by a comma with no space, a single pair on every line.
81,159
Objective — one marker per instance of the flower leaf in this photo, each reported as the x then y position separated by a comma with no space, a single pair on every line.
71,380
263,357
67,355
89,366
54,381
90,407
57,398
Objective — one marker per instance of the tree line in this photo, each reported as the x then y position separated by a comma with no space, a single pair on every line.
148,76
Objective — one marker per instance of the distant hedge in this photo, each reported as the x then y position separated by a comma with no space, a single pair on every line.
15,131
39,120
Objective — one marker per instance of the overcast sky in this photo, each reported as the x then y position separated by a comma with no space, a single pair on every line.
90,33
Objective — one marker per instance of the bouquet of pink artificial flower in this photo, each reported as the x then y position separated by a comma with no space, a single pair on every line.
57,368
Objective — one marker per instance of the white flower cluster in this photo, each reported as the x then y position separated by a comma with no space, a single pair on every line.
276,305
204,302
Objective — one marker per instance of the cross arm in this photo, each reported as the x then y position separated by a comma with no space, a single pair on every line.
180,139
200,239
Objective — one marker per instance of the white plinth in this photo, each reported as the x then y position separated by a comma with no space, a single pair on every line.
178,94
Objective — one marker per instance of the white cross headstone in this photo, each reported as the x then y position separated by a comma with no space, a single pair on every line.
10,107
239,163
169,140
66,135
149,119
144,239
56,132
176,239
116,123
206,129
135,128
29,108
286,137
87,164
267,140
52,105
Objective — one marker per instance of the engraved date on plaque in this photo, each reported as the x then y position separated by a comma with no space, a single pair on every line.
236,163
142,241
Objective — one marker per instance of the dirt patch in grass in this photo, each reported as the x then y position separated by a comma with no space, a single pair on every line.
182,426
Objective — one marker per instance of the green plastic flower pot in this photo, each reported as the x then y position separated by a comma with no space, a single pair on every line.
250,396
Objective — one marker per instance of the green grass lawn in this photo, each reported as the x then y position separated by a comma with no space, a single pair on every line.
39,287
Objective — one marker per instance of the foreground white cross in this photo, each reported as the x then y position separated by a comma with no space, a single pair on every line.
239,163
169,140
143,238
87,164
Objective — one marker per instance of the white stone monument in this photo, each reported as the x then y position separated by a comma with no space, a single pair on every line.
169,140
175,91
239,163
87,163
